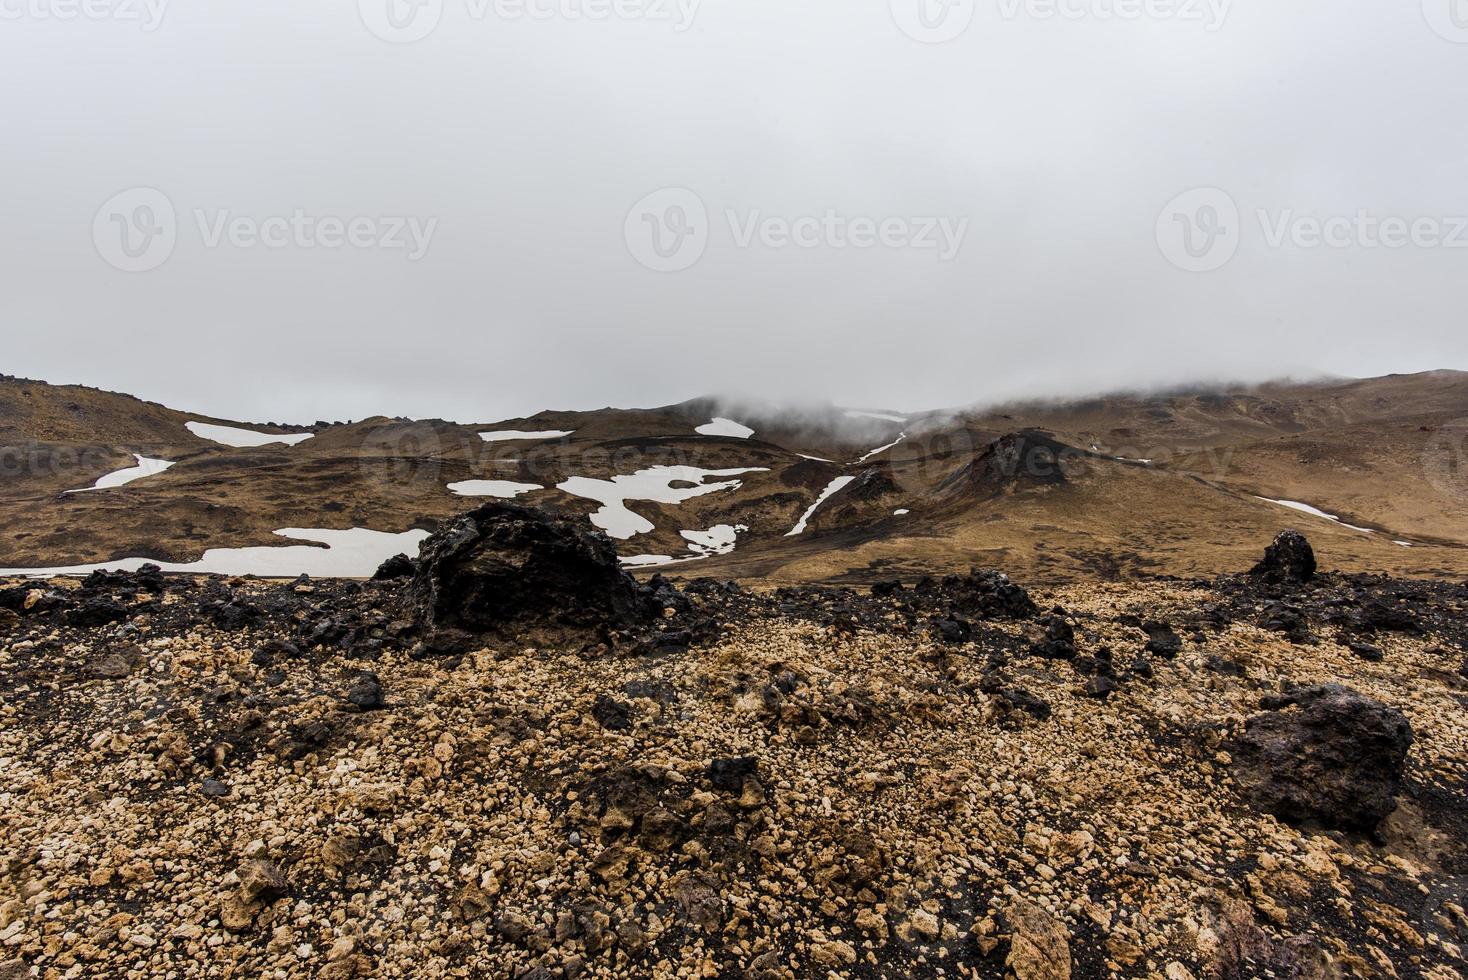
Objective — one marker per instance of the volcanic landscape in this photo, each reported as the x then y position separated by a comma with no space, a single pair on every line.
1148,685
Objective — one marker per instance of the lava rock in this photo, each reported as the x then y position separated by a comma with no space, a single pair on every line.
728,774
396,567
214,788
1323,754
366,692
1162,640
266,654
1369,652
887,589
612,714
952,631
1059,642
1290,560
989,594
1281,617
96,612
504,564
1099,687
234,615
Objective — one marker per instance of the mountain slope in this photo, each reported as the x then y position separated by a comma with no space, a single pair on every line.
1107,487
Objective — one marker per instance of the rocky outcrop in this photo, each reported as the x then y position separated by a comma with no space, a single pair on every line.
1019,460
1289,561
981,594
504,565
1324,754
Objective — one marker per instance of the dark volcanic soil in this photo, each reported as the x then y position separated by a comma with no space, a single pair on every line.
941,778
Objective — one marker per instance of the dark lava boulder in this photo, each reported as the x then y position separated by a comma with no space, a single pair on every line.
981,594
1323,754
1289,560
396,567
504,564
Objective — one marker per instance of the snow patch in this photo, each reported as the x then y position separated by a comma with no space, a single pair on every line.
118,478
504,489
1314,512
229,435
355,553
642,561
717,540
833,488
901,513
725,427
881,449
854,414
655,485
512,435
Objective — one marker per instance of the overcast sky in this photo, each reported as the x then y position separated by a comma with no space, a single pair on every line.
575,203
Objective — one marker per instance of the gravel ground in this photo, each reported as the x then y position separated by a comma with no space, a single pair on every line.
820,785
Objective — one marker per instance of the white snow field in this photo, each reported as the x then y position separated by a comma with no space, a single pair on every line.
504,489
856,414
881,449
121,478
655,485
831,490
514,435
354,553
229,435
725,427
717,540
1315,512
